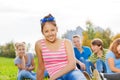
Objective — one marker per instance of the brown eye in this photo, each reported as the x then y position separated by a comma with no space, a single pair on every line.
19,49
53,30
46,31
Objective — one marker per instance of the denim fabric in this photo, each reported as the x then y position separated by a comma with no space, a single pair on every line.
26,74
73,75
46,73
100,66
88,65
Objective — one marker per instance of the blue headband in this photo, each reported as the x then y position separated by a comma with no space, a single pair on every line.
47,19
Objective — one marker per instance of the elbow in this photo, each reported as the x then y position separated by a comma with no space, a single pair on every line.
40,72
40,69
33,67
113,69
73,65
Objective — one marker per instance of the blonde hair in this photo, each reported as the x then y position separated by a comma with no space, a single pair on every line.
19,44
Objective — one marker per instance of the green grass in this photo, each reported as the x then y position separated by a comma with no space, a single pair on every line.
8,71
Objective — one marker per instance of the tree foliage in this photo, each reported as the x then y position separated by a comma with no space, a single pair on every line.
7,50
90,30
96,32
116,36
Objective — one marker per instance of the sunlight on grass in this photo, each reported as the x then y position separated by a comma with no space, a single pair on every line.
8,71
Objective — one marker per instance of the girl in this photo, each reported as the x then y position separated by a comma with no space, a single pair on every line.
113,61
55,55
24,61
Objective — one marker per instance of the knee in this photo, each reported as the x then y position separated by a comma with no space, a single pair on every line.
76,75
24,73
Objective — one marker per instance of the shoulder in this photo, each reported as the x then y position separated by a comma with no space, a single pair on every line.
86,47
67,41
38,43
110,54
30,54
75,48
17,60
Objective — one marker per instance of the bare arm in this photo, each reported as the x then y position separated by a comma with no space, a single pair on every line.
112,65
71,61
32,67
22,65
40,68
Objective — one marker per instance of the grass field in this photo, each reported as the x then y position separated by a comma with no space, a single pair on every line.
8,71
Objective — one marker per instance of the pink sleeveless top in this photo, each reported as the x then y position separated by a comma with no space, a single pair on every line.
54,61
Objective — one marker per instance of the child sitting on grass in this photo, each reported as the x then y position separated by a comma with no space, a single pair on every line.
25,62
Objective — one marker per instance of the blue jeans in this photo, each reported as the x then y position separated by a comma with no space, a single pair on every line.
46,73
73,75
26,74
88,65
100,66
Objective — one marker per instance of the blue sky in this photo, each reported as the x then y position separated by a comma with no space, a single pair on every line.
20,19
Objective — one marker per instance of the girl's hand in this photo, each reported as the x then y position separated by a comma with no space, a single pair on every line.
29,68
51,79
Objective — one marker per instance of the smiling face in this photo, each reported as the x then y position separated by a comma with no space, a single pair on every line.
20,51
50,32
77,42
95,48
96,45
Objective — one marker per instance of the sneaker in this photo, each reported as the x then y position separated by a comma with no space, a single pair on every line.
87,75
91,71
96,75
102,76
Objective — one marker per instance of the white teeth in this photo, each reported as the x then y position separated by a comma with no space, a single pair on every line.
51,37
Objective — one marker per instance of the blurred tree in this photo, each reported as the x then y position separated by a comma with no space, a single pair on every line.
107,37
90,29
96,32
116,36
86,41
90,33
7,50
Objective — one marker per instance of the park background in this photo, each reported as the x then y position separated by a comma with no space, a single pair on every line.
20,21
